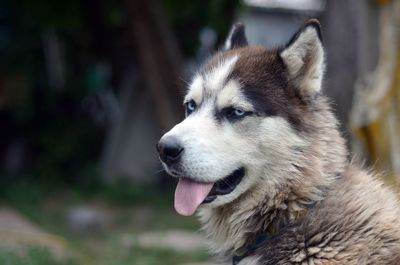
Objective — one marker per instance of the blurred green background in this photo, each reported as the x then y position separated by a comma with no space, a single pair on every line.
87,88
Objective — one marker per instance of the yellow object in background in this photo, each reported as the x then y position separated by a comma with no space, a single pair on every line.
375,117
382,2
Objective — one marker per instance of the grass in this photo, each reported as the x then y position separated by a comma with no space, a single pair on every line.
139,256
32,256
46,205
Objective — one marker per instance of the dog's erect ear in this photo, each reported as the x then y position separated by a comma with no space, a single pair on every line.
236,37
304,59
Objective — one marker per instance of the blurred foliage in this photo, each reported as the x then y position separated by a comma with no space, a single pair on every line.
62,140
189,17
23,24
24,191
64,15
32,256
145,256
50,122
29,197
136,256
135,209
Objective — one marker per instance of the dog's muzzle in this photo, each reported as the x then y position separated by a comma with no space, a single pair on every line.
190,193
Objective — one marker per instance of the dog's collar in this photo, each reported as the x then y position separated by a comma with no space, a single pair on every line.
260,240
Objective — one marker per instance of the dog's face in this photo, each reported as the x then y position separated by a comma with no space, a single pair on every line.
244,112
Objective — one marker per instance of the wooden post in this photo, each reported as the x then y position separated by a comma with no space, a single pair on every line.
158,57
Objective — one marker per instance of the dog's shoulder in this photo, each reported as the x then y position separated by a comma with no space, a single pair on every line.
357,223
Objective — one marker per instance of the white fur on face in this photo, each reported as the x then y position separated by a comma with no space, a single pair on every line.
263,146
195,90
212,81
231,96
204,147
216,77
213,149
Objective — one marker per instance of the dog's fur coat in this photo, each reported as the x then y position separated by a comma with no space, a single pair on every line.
300,187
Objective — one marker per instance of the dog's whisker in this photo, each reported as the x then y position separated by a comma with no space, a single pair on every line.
159,171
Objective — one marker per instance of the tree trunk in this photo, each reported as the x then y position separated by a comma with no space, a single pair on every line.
159,59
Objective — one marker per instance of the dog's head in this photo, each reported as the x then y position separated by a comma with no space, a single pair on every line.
245,120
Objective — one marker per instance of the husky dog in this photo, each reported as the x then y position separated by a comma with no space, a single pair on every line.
260,158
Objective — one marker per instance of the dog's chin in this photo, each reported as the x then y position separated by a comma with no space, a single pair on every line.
226,185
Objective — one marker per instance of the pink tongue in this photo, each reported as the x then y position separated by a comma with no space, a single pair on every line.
189,195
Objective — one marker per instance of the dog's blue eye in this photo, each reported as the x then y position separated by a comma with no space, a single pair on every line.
238,112
233,114
190,107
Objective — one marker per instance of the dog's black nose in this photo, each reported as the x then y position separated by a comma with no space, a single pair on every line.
169,149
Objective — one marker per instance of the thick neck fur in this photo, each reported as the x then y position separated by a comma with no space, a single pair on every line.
263,208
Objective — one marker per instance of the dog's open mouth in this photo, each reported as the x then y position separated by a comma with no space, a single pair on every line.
225,185
190,194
